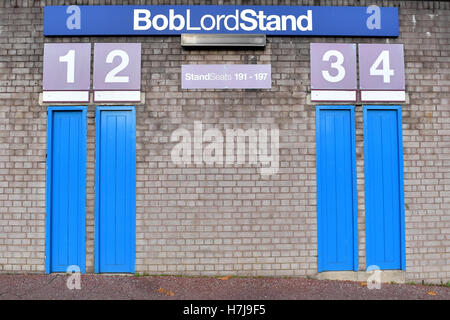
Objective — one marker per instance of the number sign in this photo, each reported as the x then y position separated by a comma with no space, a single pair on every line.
66,66
333,72
381,67
333,66
117,66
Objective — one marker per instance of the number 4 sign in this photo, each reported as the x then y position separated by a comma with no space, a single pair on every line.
117,72
381,72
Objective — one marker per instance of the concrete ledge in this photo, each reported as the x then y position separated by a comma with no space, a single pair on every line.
358,102
91,102
386,276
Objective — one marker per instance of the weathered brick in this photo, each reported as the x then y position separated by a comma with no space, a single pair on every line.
201,220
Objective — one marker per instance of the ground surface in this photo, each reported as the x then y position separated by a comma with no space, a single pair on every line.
203,288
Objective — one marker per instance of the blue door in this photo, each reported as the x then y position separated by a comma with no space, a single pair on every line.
383,166
66,188
115,211
336,189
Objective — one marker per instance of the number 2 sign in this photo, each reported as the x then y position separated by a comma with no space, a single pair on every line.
67,70
117,72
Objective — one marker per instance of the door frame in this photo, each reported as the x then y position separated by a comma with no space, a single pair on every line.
397,108
351,108
48,188
98,111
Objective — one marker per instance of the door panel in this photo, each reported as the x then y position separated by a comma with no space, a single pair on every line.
383,187
66,188
115,189
336,188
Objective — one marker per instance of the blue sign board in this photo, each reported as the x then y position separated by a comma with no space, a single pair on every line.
75,20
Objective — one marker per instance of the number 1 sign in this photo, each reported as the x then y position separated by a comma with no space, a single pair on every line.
117,72
381,72
67,72
333,71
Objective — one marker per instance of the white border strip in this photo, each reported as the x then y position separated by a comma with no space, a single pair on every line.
333,95
383,96
117,96
65,96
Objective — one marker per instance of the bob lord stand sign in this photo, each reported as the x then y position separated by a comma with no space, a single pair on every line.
226,76
75,20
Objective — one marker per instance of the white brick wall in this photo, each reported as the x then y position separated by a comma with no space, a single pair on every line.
210,221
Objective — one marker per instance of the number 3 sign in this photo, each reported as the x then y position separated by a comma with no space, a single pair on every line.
333,72
117,72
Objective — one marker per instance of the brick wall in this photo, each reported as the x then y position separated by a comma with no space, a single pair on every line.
201,220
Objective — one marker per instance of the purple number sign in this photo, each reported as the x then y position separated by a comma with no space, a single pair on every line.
333,66
381,67
66,66
117,66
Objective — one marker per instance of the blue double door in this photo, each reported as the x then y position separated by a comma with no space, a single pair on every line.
115,175
336,188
